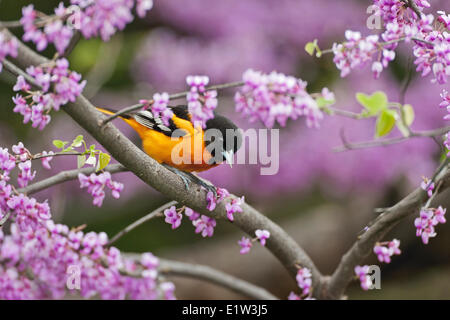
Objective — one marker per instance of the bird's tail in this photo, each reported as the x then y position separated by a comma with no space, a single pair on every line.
111,112
125,117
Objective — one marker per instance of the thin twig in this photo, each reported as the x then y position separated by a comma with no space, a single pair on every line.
171,97
154,214
64,176
183,269
385,142
344,273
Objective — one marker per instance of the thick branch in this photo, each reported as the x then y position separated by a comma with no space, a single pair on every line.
151,172
64,176
411,204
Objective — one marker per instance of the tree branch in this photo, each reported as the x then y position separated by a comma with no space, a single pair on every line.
171,97
176,268
154,214
64,176
411,204
385,142
288,252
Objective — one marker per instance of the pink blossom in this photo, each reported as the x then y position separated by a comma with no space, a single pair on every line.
142,6
428,186
7,48
201,103
245,244
426,222
384,253
262,236
361,272
96,185
191,214
205,225
304,281
58,87
173,217
46,160
234,206
276,97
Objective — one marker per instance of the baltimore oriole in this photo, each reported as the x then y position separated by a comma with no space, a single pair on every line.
159,141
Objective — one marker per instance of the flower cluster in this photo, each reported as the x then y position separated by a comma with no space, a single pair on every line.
426,222
159,107
96,184
201,103
397,11
92,18
276,97
53,29
431,45
7,48
212,201
246,243
304,282
58,86
445,95
385,251
203,224
357,51
38,251
361,273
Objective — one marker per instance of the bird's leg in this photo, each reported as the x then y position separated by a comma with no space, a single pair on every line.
186,179
203,183
189,177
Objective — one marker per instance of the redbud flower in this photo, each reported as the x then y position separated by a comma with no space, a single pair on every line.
142,6
245,244
445,95
293,296
96,184
384,253
65,86
159,107
361,272
7,48
262,236
25,175
46,160
426,222
233,207
205,225
191,214
149,261
428,186
201,103
304,281
211,201
173,217
276,97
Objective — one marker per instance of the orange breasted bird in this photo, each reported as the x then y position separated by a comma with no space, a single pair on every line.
181,138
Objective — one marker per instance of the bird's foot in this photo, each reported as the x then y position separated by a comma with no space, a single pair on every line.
188,177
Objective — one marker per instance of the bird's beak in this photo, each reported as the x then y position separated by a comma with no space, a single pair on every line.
228,155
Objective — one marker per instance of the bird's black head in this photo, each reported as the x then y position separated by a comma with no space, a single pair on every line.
222,138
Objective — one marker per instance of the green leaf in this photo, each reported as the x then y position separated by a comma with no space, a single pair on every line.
68,149
408,114
385,122
322,102
78,141
81,160
310,47
375,103
402,128
103,161
59,143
